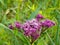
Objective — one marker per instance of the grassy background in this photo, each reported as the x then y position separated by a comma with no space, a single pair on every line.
22,10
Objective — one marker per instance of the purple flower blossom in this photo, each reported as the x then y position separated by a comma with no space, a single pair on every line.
27,33
34,27
39,16
10,26
34,24
35,36
26,26
31,27
18,25
48,23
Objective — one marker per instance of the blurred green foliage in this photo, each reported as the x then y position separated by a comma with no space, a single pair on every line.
22,10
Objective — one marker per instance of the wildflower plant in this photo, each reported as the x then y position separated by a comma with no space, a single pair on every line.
27,27
32,29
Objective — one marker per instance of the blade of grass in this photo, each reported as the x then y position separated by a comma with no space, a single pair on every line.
58,27
23,38
50,38
33,14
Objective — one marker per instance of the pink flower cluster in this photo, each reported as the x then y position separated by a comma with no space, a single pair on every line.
15,25
39,16
48,23
32,28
